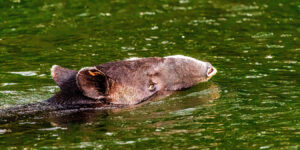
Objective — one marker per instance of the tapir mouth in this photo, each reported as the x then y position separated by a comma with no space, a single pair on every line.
211,72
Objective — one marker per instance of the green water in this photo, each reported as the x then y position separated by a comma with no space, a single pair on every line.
252,103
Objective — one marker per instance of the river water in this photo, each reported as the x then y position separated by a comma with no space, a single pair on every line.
252,103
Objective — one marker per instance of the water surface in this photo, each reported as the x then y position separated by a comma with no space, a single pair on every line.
252,103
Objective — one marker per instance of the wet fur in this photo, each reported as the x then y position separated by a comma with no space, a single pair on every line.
127,82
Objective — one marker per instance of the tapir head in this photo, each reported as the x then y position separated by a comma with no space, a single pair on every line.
135,80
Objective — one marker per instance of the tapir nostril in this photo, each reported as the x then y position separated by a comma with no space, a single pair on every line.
211,71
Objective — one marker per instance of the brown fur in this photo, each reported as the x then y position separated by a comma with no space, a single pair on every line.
129,82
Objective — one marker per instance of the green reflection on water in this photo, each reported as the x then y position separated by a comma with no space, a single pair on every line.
253,101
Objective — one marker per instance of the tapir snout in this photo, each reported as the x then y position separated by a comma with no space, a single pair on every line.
129,82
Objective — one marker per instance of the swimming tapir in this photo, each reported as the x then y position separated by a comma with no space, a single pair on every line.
128,82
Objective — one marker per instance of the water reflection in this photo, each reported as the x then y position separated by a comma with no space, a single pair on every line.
63,118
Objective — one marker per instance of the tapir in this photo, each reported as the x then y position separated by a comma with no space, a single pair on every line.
128,82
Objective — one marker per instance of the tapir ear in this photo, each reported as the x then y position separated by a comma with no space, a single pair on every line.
61,75
92,82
